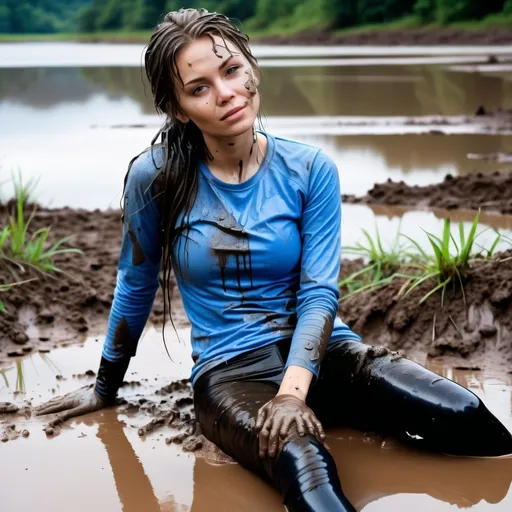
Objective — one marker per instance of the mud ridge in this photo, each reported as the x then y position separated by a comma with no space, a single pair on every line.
490,192
69,306
476,327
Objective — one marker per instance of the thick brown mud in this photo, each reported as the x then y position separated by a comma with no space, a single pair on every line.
67,307
104,451
488,192
474,324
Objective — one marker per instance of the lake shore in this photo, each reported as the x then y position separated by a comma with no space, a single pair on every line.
427,36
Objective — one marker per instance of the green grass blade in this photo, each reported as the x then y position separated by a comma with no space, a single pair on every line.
422,251
434,290
466,251
462,236
445,245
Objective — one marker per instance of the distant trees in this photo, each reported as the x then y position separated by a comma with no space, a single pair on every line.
46,16
39,16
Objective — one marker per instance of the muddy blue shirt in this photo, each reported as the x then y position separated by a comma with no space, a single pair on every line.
258,261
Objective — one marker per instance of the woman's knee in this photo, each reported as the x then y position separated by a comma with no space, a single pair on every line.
303,463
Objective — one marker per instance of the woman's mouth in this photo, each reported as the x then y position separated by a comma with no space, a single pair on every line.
233,114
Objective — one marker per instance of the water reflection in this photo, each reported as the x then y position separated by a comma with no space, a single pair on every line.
132,484
323,90
129,473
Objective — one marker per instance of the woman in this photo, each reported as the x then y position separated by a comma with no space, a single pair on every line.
250,224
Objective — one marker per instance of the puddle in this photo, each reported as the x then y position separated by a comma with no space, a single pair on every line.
100,462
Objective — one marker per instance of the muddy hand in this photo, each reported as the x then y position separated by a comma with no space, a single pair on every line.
281,415
76,403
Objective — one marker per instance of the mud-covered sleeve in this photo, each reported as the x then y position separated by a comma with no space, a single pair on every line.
139,262
317,298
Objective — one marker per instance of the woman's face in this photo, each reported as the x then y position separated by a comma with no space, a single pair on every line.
219,92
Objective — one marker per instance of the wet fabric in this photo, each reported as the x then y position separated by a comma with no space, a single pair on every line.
358,385
258,261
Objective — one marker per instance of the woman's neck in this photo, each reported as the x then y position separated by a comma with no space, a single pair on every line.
235,159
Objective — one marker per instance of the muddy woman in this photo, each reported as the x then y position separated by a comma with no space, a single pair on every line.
249,224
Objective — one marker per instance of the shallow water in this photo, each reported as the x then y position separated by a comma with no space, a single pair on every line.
100,462
78,127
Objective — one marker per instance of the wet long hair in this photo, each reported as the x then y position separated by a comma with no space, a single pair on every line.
183,144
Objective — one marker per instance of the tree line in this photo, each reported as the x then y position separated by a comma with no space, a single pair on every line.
50,16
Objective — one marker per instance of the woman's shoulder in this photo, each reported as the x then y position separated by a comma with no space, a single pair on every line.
299,159
144,167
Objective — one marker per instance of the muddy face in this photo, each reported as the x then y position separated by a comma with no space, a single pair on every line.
214,83
251,84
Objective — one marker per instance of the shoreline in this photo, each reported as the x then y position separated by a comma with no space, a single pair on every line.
427,36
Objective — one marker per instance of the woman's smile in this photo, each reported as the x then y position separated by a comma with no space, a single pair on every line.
234,114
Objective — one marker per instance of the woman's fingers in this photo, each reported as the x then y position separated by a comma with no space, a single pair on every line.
262,416
263,437
61,418
285,426
50,408
299,421
273,439
310,426
320,430
8,408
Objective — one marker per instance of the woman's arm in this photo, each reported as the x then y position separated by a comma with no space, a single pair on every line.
137,278
317,304
317,298
136,286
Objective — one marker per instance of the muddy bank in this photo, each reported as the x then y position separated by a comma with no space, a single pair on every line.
472,330
49,312
490,192
66,307
434,36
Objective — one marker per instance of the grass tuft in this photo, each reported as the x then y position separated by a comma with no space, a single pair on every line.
446,266
20,248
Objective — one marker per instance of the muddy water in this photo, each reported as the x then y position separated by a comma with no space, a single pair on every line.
83,124
100,462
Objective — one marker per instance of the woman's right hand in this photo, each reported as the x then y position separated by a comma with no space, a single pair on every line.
75,403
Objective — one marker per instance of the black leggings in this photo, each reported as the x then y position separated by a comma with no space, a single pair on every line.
369,388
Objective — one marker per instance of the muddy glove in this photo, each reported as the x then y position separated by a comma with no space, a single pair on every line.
277,418
76,403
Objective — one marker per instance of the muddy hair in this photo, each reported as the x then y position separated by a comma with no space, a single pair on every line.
183,144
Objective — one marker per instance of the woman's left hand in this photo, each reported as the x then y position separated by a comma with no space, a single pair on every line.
278,416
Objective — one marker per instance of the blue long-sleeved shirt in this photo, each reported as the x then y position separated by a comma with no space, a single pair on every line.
258,262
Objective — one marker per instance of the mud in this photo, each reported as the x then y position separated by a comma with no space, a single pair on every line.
476,326
157,472
489,192
75,303
50,312
438,36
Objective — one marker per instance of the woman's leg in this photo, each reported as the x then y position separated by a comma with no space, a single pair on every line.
374,389
303,472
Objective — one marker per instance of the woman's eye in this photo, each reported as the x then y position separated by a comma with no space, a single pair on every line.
199,89
232,69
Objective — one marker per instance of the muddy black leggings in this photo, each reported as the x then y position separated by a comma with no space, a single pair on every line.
364,387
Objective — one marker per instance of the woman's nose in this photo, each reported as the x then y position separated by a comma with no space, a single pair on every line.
224,92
